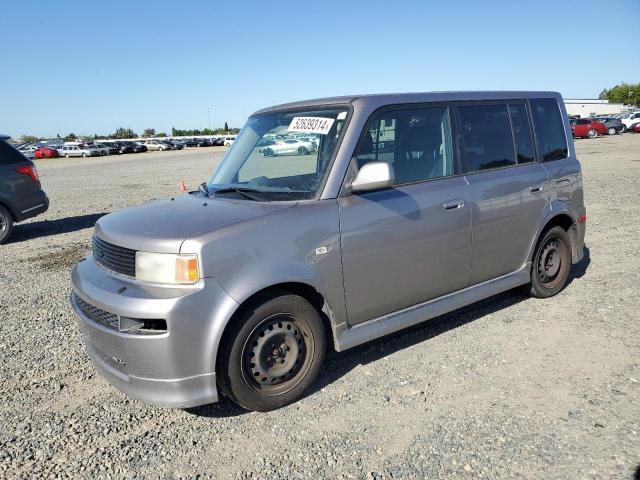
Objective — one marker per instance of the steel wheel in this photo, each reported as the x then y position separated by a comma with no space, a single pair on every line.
551,263
275,356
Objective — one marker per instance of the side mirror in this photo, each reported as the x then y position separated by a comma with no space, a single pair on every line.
373,176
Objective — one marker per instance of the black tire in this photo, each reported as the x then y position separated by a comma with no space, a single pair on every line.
551,263
6,225
272,353
268,152
592,133
623,129
84,155
612,131
303,151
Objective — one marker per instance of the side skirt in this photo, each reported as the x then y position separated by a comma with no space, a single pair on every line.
407,317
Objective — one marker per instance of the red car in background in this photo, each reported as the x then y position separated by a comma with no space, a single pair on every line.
46,152
635,128
587,128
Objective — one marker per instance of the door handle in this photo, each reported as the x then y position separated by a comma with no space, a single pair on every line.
563,182
453,205
536,188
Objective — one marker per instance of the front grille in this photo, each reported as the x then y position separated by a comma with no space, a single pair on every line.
116,258
106,319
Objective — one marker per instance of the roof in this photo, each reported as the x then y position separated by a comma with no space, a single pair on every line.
391,98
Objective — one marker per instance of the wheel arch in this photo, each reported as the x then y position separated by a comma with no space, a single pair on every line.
9,208
304,290
560,219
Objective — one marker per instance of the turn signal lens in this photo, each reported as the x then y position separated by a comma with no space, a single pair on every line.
187,269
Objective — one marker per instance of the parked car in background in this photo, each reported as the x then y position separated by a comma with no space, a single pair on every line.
79,150
218,142
112,148
181,303
196,142
101,149
630,119
124,147
587,128
21,195
228,141
614,125
28,151
45,152
291,146
154,145
176,144
635,128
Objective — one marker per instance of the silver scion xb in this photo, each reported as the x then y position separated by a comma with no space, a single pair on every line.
411,206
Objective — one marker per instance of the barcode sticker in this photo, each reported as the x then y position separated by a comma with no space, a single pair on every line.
311,125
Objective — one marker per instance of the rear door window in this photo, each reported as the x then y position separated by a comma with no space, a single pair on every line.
486,131
547,120
9,154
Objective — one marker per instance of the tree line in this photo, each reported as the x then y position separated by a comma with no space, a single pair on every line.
626,93
123,133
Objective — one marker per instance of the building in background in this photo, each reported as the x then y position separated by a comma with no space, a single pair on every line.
592,107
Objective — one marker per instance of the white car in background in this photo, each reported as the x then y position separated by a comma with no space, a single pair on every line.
630,120
103,150
228,141
78,150
28,151
154,145
291,146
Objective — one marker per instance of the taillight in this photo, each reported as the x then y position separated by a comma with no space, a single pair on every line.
29,170
582,219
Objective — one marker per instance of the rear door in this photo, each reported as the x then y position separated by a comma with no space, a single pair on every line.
508,188
563,171
410,243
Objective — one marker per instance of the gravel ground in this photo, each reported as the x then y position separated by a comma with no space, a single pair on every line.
508,388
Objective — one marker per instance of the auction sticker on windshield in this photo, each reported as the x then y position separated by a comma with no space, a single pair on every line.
311,125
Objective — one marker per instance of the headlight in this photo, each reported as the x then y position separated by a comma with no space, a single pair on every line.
167,268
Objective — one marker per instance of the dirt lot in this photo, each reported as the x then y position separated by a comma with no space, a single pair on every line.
508,388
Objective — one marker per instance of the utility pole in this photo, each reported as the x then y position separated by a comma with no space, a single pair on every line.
209,117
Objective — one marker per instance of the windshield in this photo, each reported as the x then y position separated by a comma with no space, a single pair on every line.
282,155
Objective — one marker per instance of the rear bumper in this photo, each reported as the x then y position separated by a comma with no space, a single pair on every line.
172,368
33,205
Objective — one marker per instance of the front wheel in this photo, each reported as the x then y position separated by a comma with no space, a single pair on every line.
303,151
268,152
6,225
551,263
273,352
84,155
612,131
592,133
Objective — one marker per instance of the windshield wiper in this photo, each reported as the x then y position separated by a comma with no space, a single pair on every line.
245,192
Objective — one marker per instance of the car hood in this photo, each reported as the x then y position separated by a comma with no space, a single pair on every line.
162,225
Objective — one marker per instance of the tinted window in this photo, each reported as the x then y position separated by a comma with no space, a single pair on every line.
9,154
488,142
521,133
416,142
552,143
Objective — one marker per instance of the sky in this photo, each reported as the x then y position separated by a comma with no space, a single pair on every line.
91,67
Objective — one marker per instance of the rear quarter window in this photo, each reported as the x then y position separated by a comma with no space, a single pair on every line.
549,127
9,154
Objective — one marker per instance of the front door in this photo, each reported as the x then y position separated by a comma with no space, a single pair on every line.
410,243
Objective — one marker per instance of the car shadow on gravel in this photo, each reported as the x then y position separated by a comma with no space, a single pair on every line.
46,228
339,364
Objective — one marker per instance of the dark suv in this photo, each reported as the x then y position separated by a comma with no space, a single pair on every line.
21,195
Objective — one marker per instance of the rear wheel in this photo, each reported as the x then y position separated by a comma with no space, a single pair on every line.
66,155
551,263
592,133
267,152
623,128
612,131
273,352
6,224
84,155
303,151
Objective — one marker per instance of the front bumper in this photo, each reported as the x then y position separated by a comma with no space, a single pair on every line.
175,368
